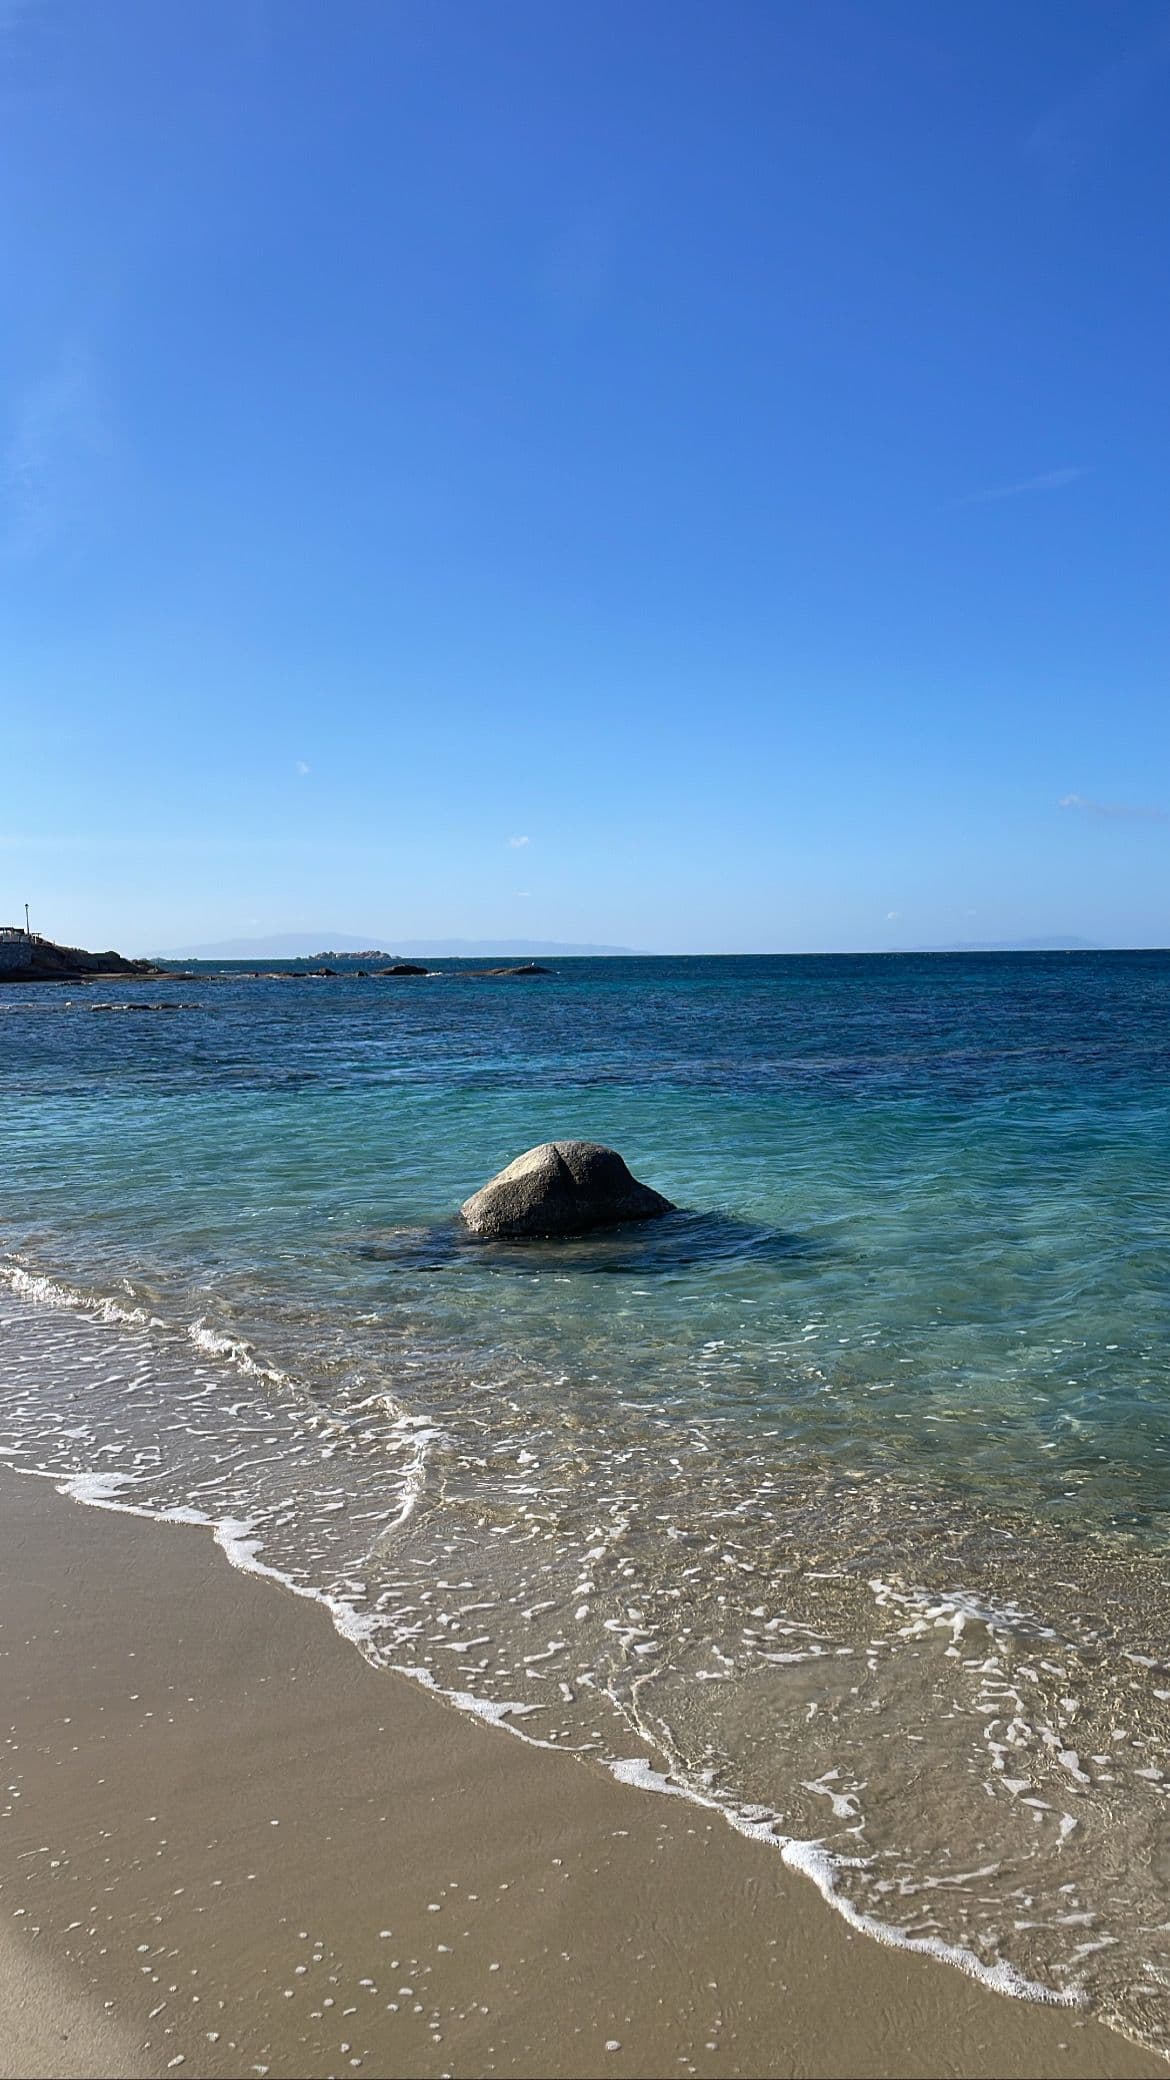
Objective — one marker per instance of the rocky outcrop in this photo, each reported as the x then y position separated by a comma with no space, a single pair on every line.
561,1188
25,957
404,968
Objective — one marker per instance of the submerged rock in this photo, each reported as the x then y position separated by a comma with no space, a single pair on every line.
524,968
404,968
562,1188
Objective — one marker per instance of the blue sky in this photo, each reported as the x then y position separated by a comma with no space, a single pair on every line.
692,477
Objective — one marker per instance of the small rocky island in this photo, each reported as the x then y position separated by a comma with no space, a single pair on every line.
562,1188
27,957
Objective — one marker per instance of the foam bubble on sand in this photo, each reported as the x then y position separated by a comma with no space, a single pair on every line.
953,1613
101,1490
493,1711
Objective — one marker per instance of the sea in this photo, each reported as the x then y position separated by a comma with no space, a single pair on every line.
837,1500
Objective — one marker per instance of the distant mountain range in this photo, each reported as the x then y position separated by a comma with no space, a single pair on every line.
284,946
291,946
1055,944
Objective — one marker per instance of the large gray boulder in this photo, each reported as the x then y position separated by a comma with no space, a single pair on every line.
562,1188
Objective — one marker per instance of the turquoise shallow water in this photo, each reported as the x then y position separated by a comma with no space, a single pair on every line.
843,1493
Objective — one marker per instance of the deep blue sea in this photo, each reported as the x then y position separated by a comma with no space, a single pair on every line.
840,1498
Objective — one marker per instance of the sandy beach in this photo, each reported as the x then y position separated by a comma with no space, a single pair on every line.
232,1847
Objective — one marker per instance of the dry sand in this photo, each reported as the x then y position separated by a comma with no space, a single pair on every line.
229,1846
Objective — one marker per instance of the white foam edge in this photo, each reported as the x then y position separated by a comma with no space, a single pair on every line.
810,1858
35,1286
817,1863
43,1291
233,1536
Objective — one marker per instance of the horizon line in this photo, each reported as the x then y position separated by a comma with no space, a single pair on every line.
991,946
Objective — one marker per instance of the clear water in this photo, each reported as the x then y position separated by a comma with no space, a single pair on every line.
842,1495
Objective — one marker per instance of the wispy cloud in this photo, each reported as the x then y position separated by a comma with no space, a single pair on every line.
1120,812
56,429
303,767
518,843
1048,480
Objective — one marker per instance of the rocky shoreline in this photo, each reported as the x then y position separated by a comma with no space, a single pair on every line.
26,957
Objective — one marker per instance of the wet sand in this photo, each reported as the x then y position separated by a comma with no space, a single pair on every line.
229,1846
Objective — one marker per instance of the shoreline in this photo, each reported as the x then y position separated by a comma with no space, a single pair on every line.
222,1806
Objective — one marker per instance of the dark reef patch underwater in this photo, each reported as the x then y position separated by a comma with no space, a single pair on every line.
680,1241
